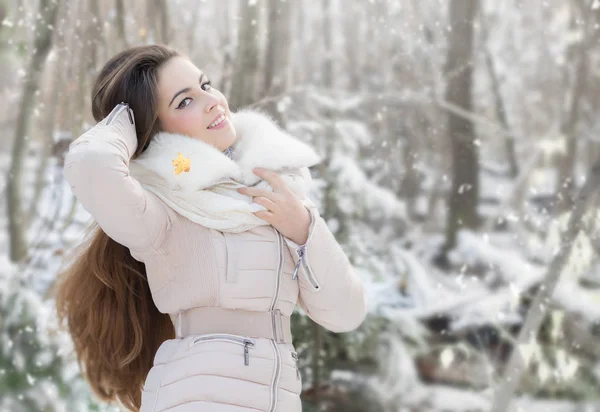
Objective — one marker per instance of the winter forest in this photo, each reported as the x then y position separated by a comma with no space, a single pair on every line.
461,176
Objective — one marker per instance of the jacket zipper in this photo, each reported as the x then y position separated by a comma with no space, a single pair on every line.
295,356
116,112
225,337
279,267
302,258
275,381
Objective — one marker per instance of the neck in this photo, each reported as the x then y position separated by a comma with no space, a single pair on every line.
229,152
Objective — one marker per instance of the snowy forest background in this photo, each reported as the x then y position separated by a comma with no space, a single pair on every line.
461,141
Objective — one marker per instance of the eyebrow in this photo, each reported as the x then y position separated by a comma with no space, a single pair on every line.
187,89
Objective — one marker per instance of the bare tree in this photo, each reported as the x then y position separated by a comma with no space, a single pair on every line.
565,183
301,35
328,43
47,10
353,27
539,307
330,207
95,36
278,53
499,105
2,14
47,126
67,109
163,24
85,56
227,46
121,32
465,154
245,75
157,22
191,30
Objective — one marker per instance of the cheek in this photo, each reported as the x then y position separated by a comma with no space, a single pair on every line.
225,102
194,119
189,121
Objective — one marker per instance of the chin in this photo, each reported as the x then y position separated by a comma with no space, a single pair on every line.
223,144
232,139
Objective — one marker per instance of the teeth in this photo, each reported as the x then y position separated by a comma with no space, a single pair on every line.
216,123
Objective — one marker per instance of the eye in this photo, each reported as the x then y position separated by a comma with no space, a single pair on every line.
180,104
207,83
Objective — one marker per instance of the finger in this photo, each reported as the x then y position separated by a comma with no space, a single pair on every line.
254,192
263,201
276,182
264,215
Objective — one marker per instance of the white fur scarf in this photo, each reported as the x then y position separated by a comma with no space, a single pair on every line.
206,192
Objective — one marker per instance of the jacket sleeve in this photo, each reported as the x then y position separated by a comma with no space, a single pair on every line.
331,293
97,169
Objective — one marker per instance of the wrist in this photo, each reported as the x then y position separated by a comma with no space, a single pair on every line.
303,238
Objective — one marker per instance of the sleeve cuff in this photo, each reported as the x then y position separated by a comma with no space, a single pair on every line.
313,218
301,249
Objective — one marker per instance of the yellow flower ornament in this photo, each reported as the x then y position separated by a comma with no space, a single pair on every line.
181,163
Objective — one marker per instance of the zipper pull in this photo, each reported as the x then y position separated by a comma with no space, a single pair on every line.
128,111
301,255
295,356
295,275
246,353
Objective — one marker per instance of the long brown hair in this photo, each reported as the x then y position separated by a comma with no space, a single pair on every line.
103,292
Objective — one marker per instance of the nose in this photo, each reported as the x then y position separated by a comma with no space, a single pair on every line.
211,102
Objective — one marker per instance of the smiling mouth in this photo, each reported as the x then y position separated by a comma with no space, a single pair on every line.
217,122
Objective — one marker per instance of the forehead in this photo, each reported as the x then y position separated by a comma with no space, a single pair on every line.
176,74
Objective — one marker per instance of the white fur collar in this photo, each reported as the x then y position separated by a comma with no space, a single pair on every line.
260,143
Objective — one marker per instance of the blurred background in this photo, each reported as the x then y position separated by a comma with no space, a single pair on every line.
461,174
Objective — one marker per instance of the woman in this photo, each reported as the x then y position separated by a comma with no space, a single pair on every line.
181,299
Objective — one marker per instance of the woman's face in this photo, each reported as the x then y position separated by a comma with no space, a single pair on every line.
188,105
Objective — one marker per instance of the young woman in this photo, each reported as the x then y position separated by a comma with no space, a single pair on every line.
181,298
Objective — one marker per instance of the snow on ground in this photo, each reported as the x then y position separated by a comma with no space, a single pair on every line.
447,399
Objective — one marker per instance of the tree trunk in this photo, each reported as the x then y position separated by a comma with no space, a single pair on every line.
227,46
509,140
353,29
516,364
191,38
157,29
327,8
66,106
301,36
42,44
72,110
48,124
163,23
409,184
278,55
245,76
3,15
80,95
499,106
120,23
565,184
465,155
330,208
95,35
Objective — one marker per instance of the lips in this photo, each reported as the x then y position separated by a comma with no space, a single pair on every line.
215,119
